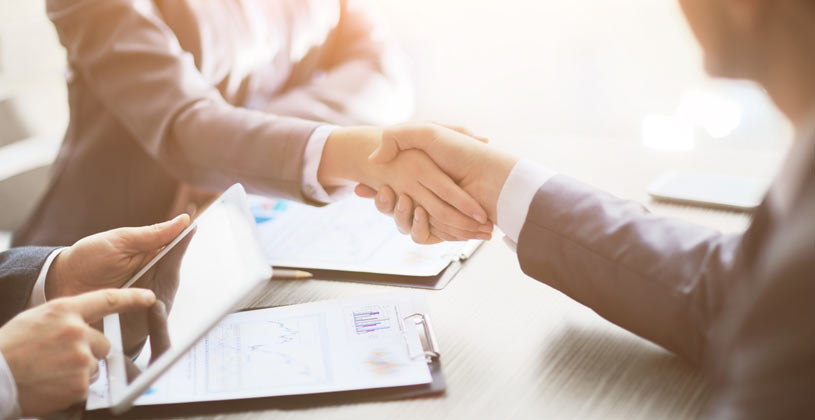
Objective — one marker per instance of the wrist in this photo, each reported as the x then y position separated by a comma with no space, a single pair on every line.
345,155
491,178
54,284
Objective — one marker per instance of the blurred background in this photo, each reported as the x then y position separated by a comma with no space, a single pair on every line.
585,87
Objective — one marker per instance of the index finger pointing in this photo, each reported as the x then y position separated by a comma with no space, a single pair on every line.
92,306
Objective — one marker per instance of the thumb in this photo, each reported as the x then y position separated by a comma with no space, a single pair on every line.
465,131
396,139
151,238
387,150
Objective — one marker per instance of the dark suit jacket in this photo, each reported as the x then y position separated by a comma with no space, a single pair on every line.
741,306
170,92
19,268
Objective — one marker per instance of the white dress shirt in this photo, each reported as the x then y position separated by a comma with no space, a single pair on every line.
523,182
9,407
311,165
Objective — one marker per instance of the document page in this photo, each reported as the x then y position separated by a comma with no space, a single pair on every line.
350,235
327,346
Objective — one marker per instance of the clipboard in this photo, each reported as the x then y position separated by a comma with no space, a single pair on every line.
430,353
351,241
437,282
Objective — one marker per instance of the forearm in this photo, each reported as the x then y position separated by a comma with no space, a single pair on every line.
660,278
345,156
212,147
167,105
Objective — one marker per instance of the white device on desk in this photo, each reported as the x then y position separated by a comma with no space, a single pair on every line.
208,271
709,190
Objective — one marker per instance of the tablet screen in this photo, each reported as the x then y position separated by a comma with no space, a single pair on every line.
205,273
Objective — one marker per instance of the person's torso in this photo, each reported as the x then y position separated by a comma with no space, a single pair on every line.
250,50
243,46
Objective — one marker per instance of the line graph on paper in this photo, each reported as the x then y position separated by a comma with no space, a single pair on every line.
340,233
350,235
265,354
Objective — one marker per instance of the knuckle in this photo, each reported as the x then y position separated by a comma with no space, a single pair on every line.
81,358
57,307
79,386
429,129
73,330
111,298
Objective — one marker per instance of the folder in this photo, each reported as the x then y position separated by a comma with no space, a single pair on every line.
428,352
433,282
351,241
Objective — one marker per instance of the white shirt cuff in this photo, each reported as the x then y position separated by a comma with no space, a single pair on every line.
311,165
516,196
9,405
38,293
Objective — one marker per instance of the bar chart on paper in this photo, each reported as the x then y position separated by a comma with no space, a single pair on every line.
371,320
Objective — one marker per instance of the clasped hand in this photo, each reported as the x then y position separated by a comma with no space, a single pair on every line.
458,157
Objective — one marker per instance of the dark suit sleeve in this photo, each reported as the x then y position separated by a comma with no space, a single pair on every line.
660,278
19,269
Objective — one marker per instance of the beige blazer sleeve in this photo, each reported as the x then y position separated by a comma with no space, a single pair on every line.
133,64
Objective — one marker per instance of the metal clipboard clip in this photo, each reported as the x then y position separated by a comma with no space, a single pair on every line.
432,352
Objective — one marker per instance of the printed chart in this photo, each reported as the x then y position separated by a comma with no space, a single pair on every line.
350,235
253,354
371,320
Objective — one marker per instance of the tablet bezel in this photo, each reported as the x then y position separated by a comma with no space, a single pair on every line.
121,394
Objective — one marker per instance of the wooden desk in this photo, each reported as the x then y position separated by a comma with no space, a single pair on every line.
511,346
515,348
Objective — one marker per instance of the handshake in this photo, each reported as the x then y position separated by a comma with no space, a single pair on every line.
440,183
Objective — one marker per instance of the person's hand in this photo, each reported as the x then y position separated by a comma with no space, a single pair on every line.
52,351
481,171
345,157
108,259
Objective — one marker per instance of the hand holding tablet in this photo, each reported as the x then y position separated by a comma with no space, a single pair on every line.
202,275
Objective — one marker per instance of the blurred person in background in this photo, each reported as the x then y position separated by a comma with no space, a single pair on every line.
49,299
739,305
174,100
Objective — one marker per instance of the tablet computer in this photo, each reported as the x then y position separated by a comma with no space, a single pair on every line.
212,268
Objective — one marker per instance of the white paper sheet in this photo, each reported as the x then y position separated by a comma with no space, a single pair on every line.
336,345
350,235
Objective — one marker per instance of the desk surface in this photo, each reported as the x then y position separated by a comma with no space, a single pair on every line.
569,89
515,348
517,72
